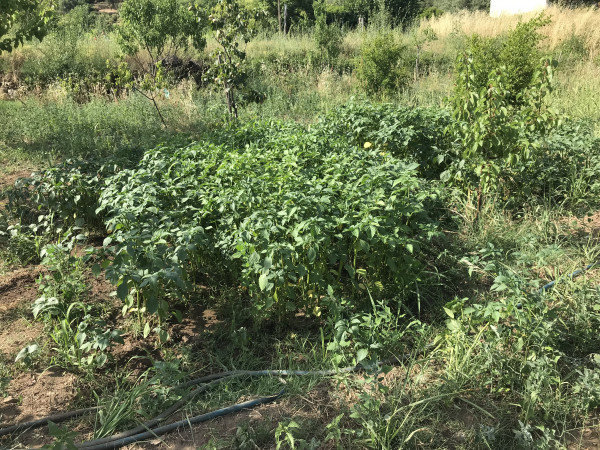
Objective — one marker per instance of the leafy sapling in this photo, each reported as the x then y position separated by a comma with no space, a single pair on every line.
151,31
232,28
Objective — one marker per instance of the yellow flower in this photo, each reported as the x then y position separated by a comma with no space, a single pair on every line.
367,145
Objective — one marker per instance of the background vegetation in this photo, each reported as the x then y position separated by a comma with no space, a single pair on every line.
356,183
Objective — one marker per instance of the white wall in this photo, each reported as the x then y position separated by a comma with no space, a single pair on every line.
500,7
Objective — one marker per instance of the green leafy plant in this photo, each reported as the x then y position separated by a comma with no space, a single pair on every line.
328,37
21,20
64,439
380,67
495,128
81,339
285,438
64,284
285,238
26,353
518,51
150,85
22,244
500,106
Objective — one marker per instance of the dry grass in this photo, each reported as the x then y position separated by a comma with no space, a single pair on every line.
582,22
258,48
578,92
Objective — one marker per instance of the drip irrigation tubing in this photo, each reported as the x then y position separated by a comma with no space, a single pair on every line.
190,421
213,380
571,276
138,433
41,422
145,428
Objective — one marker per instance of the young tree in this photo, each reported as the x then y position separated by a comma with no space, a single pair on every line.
152,31
328,37
21,20
231,26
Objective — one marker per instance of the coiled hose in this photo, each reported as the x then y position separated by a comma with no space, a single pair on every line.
147,430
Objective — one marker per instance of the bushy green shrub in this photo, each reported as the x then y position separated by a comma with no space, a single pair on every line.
380,67
416,134
565,171
291,216
518,51
65,6
431,12
576,3
58,55
455,5
153,25
500,106
571,49
495,128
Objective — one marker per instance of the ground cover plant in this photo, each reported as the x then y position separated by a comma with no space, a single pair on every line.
363,211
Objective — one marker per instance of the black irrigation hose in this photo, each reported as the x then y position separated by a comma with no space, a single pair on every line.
551,284
191,421
44,421
210,380
260,373
217,378
125,437
571,276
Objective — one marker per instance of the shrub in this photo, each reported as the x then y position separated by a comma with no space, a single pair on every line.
500,106
158,28
380,66
571,49
431,12
518,52
58,55
290,215
495,128
565,171
67,5
328,37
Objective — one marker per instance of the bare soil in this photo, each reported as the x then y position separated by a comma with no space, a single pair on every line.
18,287
18,335
588,225
32,395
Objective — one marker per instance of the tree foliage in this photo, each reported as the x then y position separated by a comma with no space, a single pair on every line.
328,37
21,20
379,68
518,51
160,28
231,26
500,105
